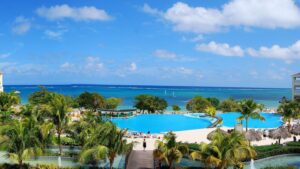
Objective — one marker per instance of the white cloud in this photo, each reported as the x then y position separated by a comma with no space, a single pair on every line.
164,54
247,13
178,70
133,67
4,55
147,9
93,64
288,53
86,13
223,49
21,25
54,34
168,55
67,66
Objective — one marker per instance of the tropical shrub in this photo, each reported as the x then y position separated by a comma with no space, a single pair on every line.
91,101
150,103
169,151
229,105
112,103
215,102
198,104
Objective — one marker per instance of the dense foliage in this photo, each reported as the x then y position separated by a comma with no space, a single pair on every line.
91,101
289,111
150,103
229,105
198,104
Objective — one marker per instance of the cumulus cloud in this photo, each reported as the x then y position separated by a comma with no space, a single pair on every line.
133,67
86,13
164,54
168,55
248,13
223,49
21,25
288,54
56,35
148,9
94,64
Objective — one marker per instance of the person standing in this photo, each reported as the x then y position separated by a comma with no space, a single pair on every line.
144,144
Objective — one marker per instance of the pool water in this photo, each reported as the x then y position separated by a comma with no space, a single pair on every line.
271,120
158,123
280,160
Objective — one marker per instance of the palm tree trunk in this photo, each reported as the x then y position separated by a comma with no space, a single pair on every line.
20,163
171,164
246,124
59,142
111,162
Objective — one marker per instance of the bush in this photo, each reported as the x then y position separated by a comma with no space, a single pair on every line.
293,144
68,141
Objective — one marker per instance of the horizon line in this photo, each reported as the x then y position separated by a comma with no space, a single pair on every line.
137,85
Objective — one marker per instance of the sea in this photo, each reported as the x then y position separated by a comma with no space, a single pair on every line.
179,95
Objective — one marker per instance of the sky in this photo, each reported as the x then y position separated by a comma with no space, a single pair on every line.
236,43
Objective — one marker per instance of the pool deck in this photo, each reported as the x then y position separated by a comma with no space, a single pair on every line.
197,136
140,159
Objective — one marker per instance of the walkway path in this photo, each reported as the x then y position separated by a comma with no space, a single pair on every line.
140,159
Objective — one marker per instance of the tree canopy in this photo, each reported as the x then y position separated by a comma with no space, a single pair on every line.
150,103
91,101
113,103
229,105
198,104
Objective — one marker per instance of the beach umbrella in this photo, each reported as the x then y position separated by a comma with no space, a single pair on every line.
280,133
253,135
296,129
218,130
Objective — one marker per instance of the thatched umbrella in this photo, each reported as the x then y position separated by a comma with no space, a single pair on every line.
253,135
211,134
280,133
296,129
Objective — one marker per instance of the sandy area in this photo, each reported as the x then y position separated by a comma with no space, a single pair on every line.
196,136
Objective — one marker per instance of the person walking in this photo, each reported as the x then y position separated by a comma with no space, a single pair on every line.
144,144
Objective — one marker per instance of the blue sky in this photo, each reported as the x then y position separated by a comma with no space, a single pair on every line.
198,43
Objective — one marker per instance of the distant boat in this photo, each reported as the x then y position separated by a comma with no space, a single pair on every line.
17,92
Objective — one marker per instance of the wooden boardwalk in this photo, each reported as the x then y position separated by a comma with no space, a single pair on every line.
140,159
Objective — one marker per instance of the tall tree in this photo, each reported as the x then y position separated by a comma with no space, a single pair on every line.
59,109
229,105
113,103
21,141
91,101
215,102
289,111
250,109
150,103
43,96
197,104
105,141
224,151
7,101
169,150
176,108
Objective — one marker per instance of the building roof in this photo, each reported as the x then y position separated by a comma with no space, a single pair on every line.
296,75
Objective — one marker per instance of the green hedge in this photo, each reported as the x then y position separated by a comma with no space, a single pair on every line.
278,151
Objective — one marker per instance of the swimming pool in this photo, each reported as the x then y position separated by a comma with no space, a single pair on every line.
272,120
158,123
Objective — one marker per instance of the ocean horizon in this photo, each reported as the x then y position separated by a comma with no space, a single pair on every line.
173,94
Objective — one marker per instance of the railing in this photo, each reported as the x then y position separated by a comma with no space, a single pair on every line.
217,122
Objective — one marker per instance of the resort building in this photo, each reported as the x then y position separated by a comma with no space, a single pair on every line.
1,82
296,86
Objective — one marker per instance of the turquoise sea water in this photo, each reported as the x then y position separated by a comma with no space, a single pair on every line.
173,94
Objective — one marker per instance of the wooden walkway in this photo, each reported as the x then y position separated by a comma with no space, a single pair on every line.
140,159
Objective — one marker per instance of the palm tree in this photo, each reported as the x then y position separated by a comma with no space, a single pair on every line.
21,141
106,141
211,111
59,109
224,151
7,101
169,151
250,109
289,111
